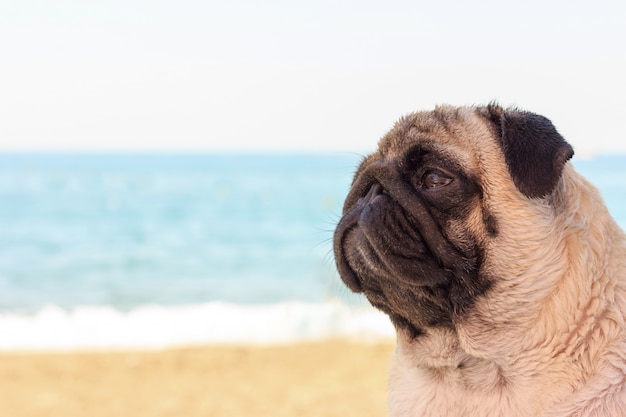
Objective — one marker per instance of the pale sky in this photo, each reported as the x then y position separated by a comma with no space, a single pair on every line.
299,75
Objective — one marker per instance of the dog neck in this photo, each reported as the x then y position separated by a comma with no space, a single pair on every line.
451,382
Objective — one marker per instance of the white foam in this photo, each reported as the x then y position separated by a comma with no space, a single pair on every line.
53,328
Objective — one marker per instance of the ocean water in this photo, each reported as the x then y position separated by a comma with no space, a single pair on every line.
152,250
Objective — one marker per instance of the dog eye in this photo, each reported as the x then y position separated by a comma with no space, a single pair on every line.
435,179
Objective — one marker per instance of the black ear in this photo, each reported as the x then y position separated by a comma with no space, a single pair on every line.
534,151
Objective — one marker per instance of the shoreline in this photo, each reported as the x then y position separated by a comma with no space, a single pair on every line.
155,326
320,378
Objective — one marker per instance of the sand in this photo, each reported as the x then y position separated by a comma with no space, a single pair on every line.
331,378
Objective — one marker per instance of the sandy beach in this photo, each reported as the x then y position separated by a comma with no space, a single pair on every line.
330,378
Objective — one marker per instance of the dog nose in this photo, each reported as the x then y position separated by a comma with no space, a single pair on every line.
374,191
369,201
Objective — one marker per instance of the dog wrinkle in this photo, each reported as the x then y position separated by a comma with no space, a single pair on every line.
588,328
601,396
368,256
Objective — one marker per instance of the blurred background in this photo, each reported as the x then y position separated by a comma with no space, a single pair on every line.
171,172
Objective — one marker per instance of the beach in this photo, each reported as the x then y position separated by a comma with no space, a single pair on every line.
325,378
112,262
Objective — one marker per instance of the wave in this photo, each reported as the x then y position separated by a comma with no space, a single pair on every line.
152,326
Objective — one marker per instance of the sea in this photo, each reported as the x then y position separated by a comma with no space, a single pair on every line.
153,250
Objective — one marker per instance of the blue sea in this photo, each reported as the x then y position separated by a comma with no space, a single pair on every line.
107,250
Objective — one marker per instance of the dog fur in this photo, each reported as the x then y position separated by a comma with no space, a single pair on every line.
499,265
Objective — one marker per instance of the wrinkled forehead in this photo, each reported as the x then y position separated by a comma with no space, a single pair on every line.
460,134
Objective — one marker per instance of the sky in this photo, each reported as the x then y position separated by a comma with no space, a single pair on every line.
278,75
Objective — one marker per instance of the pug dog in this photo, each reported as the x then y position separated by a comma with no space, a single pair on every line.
498,264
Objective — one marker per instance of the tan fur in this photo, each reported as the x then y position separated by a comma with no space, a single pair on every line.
550,338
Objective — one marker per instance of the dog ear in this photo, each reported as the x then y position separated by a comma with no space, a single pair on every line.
534,151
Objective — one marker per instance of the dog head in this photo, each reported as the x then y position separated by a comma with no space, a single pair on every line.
439,213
